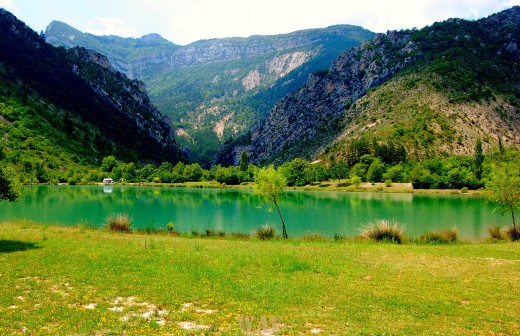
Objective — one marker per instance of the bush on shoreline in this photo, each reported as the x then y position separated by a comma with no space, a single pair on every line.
444,236
383,230
119,222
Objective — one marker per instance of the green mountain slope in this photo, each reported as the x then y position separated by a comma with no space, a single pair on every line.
435,91
216,89
65,108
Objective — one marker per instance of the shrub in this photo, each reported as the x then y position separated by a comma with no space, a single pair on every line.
464,190
512,232
339,237
211,233
384,230
495,232
265,232
195,233
170,227
388,183
119,222
239,235
356,180
443,236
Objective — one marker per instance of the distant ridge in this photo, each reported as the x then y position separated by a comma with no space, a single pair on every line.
216,89
435,91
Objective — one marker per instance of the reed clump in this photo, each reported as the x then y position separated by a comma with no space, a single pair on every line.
119,222
444,236
383,230
265,232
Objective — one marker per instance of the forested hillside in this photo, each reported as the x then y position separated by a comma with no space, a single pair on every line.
216,89
433,91
62,110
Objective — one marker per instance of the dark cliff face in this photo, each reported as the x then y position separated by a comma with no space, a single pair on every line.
131,105
466,58
84,84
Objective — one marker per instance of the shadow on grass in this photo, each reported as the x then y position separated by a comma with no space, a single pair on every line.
7,246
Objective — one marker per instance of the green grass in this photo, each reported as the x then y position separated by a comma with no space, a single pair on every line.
81,281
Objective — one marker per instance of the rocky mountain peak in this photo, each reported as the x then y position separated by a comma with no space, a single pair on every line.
450,54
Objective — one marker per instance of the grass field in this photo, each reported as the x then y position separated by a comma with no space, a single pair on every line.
80,281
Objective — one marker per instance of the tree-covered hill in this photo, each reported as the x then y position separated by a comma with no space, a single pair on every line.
216,89
63,108
434,91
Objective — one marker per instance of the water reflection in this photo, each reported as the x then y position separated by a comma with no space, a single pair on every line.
327,213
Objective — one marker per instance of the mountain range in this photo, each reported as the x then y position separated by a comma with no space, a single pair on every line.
434,91
60,108
214,90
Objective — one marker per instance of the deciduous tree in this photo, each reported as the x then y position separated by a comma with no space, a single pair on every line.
269,184
503,188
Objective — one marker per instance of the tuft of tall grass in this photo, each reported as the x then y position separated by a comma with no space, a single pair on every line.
512,233
444,236
313,236
265,232
239,235
150,229
339,237
495,232
119,222
219,234
383,230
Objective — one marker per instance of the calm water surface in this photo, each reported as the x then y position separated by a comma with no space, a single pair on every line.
326,213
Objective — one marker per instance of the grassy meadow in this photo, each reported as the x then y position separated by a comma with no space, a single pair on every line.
82,281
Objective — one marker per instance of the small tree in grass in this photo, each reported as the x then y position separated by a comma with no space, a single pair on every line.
503,188
269,184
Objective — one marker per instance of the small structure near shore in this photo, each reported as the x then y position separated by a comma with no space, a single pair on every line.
108,181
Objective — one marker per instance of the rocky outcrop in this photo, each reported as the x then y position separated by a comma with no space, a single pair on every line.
469,60
297,119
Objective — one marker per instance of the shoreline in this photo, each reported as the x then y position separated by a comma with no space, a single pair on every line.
328,186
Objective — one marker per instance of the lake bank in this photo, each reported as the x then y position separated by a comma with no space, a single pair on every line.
324,186
61,280
237,211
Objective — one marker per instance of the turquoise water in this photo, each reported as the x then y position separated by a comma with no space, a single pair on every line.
326,213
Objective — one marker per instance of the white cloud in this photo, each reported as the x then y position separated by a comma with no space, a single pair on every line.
110,26
7,4
201,19
185,21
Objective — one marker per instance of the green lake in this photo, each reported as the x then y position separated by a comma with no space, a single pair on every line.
326,213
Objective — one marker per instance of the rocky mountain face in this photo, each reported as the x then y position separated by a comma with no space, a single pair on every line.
469,70
77,97
216,89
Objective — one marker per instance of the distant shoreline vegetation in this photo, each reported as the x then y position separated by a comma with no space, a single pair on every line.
363,170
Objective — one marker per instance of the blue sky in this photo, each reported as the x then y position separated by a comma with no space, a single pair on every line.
185,21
